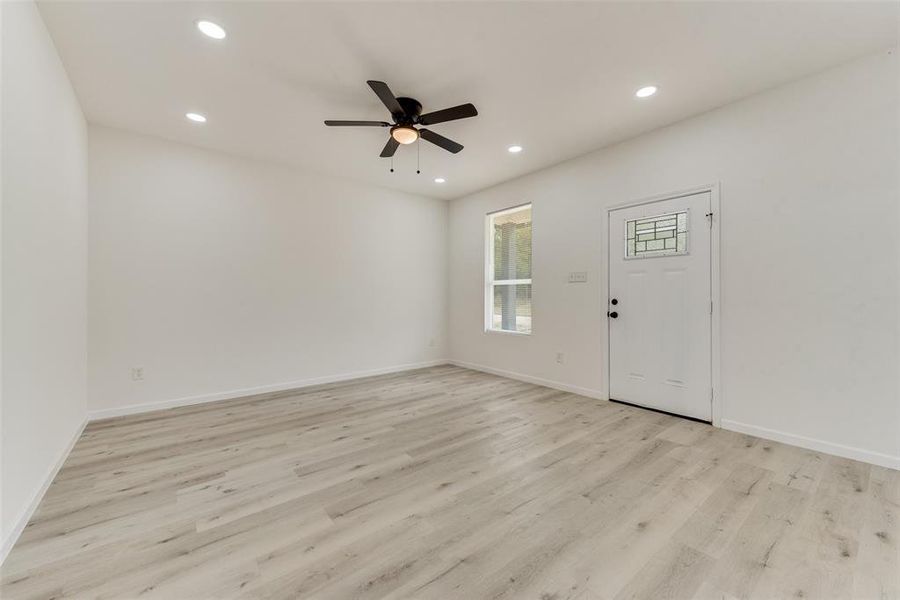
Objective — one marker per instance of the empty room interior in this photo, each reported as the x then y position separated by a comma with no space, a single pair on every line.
450,300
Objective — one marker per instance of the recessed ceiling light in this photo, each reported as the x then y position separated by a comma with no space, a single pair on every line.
196,117
645,92
439,180
515,149
211,29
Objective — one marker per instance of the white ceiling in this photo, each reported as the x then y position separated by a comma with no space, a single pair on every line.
557,78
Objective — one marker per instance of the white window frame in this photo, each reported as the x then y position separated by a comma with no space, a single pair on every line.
489,271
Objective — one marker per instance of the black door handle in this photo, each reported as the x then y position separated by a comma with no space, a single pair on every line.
613,315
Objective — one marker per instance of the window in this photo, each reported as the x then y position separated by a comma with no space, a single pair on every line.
508,270
663,235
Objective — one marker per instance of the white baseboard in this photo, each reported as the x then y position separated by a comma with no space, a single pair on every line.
23,519
107,413
875,458
556,385
867,456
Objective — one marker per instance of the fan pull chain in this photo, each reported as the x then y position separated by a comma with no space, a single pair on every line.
392,164
418,152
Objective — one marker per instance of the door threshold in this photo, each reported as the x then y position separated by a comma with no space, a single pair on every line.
664,412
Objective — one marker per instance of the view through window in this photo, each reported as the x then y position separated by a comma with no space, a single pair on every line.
509,270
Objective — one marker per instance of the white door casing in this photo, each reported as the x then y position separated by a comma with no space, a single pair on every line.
660,329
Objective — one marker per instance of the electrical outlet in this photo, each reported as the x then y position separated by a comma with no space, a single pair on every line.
578,277
137,373
560,357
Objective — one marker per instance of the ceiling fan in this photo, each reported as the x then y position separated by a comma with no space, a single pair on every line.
406,114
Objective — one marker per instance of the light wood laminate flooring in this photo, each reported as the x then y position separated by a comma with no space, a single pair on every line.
448,483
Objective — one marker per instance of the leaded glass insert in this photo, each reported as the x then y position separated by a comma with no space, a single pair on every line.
663,235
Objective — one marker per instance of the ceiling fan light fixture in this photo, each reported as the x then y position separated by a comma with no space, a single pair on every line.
406,114
404,134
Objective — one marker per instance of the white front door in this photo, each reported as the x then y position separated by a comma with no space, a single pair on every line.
660,306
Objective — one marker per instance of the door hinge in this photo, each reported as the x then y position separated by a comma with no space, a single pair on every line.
712,394
710,307
709,216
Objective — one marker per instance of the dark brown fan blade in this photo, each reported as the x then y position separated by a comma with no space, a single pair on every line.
385,94
357,124
439,140
390,148
463,111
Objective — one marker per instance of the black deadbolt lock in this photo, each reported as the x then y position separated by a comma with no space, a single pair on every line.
613,301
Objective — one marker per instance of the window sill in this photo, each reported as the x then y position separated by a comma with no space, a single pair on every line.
507,332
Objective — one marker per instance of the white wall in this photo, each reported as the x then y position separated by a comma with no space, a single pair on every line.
222,276
810,225
44,265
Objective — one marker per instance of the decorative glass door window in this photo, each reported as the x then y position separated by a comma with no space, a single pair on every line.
663,235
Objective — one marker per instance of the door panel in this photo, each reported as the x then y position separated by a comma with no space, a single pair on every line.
659,273
673,332
636,293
